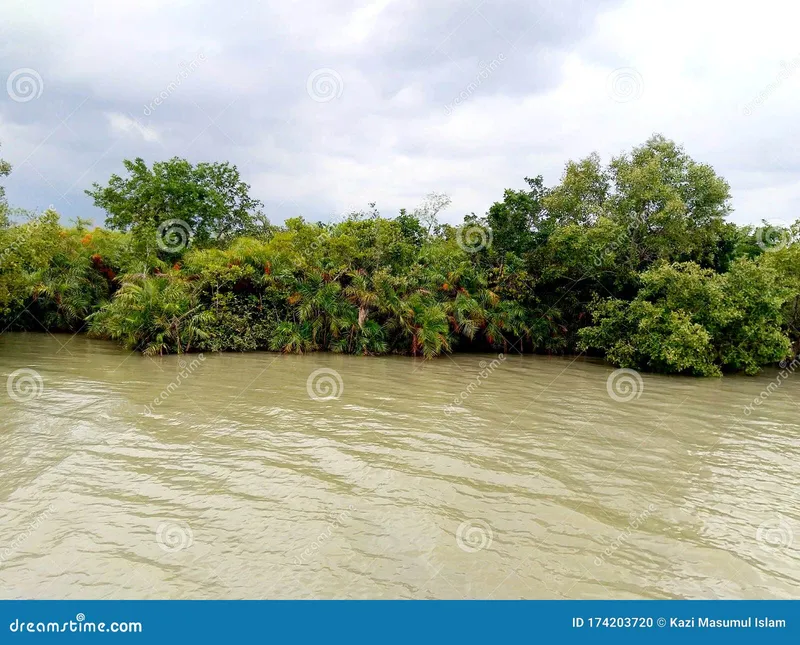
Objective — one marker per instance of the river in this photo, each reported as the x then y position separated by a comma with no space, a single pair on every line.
324,476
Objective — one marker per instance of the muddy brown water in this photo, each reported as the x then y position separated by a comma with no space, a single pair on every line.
323,476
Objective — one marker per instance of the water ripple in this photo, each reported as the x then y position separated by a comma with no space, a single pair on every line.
237,484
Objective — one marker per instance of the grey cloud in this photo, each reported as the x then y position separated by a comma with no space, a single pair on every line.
388,137
250,91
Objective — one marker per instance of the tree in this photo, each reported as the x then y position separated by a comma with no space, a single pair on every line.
785,262
209,198
632,260
689,319
580,198
427,213
518,222
5,171
410,228
672,206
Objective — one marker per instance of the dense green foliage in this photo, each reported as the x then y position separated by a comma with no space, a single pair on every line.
209,197
633,261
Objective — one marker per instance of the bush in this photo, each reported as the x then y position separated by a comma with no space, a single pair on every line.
688,319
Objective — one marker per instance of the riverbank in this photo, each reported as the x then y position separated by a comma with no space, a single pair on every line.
633,261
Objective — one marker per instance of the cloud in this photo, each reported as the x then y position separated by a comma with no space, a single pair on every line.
122,124
461,96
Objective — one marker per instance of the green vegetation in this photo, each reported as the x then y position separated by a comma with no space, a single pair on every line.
633,261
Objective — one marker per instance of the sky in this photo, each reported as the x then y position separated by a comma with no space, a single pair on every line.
326,106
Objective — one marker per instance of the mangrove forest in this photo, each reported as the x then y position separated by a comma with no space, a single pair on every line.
634,260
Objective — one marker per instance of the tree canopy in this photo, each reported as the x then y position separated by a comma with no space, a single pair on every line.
632,260
210,198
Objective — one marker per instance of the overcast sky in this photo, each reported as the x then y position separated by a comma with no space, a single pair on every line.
327,105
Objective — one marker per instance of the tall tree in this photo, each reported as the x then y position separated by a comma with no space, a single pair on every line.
210,198
518,222
672,206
